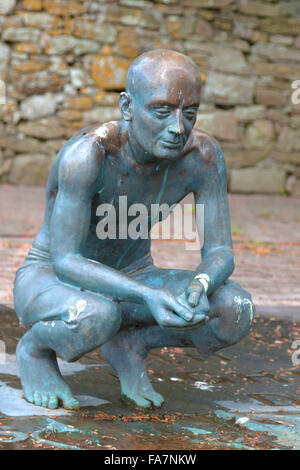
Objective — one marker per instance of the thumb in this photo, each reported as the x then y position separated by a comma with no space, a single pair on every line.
193,298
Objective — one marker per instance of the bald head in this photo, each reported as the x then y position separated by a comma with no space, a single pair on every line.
161,101
156,65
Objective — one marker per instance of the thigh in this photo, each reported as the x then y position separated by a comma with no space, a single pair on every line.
40,296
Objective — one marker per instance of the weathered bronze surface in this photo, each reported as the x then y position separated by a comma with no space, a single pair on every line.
76,292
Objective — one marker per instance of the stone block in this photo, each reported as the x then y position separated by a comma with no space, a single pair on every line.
46,128
99,32
30,169
38,106
271,97
281,25
102,114
250,113
7,7
4,58
229,60
20,144
66,7
39,83
290,71
289,140
293,185
59,45
109,72
241,158
220,124
128,44
259,134
34,5
255,8
276,52
286,157
21,34
228,89
258,180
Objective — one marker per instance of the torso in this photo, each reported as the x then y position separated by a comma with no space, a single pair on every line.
169,183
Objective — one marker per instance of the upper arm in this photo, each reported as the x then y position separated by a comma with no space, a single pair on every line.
77,181
211,191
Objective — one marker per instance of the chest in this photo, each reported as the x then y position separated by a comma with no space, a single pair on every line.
167,185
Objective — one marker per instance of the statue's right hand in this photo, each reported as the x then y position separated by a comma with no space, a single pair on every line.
167,311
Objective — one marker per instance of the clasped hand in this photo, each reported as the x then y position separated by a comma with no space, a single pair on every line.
184,311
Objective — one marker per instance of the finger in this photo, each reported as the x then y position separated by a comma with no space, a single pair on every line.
174,321
199,318
167,319
194,288
182,311
194,298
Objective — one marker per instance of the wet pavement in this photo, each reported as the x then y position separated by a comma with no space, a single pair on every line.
244,397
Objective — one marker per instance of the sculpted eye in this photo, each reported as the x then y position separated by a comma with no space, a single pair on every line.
190,113
162,112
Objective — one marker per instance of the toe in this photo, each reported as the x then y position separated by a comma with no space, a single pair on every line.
137,401
45,399
37,399
29,397
157,399
53,401
69,402
142,402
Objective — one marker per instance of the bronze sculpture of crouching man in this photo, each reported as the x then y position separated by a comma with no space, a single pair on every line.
76,292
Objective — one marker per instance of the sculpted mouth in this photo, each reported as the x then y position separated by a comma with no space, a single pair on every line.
172,144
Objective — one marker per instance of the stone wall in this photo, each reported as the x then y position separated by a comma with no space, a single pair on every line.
64,63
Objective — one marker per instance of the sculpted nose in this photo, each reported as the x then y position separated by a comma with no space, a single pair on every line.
177,126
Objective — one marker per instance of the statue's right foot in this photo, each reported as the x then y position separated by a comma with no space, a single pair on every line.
126,356
41,379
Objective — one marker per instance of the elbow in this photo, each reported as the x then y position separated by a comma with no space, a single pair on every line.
62,266
230,262
227,259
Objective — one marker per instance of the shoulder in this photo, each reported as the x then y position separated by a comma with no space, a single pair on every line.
79,161
208,147
208,153
107,136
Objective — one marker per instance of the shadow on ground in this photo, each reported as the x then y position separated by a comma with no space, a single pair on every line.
245,397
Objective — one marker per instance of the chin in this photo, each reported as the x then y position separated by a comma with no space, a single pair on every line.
169,154
163,152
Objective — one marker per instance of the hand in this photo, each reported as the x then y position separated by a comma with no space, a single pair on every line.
167,311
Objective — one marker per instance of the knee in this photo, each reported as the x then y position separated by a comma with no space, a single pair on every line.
242,314
236,317
100,324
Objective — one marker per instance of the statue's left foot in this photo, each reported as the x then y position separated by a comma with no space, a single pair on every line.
127,357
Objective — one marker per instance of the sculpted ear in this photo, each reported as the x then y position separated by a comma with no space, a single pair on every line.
125,106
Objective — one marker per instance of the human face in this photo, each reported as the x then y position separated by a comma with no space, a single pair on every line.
164,111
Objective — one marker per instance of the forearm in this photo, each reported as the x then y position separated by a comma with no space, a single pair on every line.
215,268
96,277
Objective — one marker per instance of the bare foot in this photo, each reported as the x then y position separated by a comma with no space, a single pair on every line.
127,357
41,379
